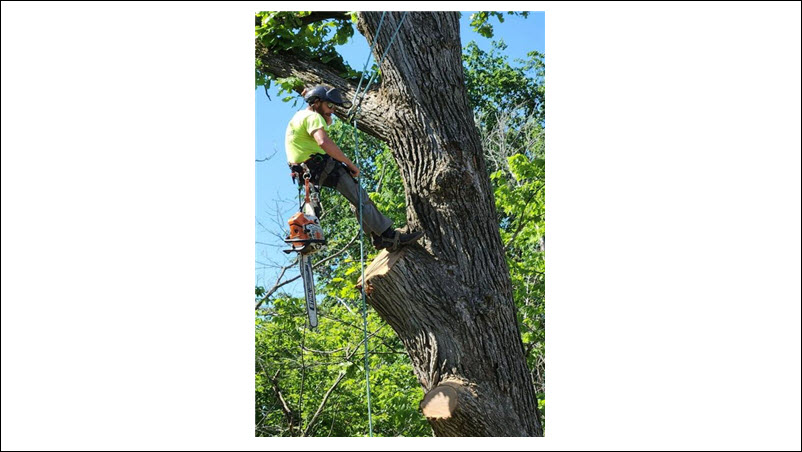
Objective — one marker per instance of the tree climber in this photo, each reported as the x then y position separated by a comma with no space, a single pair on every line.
307,142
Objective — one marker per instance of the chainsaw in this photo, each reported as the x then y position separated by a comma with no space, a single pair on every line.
306,238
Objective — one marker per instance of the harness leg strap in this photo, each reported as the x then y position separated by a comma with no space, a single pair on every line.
326,172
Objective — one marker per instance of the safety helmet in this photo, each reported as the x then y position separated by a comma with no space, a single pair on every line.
326,94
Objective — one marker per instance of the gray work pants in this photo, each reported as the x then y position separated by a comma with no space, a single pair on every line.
372,220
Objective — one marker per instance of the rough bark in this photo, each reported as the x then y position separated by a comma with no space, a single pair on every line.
450,298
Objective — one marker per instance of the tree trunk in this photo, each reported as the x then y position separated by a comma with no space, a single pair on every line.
449,299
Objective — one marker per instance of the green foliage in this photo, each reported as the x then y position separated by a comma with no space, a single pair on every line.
496,87
480,21
296,32
336,345
287,85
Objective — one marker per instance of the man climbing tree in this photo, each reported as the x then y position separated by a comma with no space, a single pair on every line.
308,146
449,299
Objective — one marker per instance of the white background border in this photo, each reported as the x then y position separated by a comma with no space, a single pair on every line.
673,210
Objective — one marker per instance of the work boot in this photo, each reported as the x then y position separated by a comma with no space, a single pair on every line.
394,239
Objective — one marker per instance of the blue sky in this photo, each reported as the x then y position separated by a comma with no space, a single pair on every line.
275,194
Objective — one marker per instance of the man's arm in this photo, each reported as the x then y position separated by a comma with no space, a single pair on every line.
326,143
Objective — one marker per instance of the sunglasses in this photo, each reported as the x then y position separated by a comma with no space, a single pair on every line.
330,105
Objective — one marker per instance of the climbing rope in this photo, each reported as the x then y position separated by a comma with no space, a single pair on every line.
365,67
355,107
362,287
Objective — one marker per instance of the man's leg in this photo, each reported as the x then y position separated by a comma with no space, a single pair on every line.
372,220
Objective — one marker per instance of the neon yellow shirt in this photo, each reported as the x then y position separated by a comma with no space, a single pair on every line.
298,142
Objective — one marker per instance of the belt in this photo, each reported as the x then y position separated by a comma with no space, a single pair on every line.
322,172
314,156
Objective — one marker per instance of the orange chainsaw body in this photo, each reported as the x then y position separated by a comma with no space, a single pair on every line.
306,235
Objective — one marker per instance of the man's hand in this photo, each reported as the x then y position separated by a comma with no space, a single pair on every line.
354,171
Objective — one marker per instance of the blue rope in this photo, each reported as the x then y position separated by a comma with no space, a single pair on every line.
370,54
362,290
375,72
361,232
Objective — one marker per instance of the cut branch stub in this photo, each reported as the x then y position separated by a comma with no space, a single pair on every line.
440,402
380,266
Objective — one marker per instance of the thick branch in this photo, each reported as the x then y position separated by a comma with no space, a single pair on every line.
371,119
380,266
